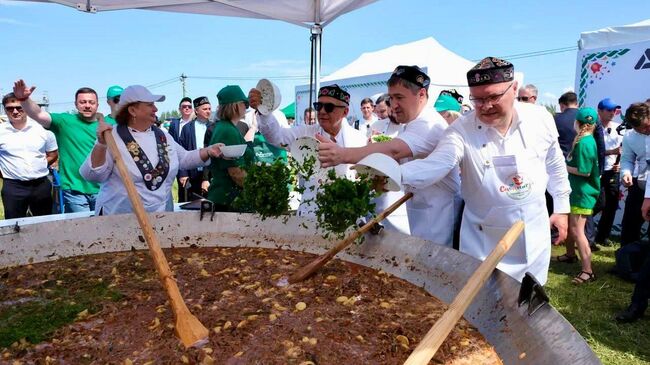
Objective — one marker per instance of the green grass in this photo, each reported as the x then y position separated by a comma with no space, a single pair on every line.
591,308
37,320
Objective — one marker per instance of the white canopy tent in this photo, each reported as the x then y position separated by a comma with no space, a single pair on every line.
312,14
614,62
613,36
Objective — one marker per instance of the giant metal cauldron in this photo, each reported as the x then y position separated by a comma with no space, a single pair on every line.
544,338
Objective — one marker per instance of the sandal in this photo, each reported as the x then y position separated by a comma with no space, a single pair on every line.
566,259
580,278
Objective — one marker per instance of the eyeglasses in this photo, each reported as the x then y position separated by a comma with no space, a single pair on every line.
186,107
492,99
116,99
329,107
524,98
10,109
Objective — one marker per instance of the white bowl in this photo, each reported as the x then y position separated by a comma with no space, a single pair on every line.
234,151
271,97
304,147
379,164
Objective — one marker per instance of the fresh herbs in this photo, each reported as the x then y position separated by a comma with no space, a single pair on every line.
342,201
266,189
381,138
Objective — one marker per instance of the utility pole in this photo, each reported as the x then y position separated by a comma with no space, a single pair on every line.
183,78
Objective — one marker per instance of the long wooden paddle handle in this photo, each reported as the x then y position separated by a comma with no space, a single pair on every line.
323,259
429,345
160,262
366,227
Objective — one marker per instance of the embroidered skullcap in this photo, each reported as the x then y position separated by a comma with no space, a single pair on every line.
413,74
335,92
490,70
200,101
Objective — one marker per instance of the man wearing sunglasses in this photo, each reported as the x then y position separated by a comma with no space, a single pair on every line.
76,136
528,94
432,212
26,150
112,99
509,156
332,107
177,124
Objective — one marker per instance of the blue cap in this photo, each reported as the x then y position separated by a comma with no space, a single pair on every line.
608,104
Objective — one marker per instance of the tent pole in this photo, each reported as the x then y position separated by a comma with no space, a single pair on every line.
316,32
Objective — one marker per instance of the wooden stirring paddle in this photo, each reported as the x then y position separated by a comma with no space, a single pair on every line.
188,328
429,345
307,270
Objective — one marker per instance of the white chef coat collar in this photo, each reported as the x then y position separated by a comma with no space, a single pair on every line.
133,130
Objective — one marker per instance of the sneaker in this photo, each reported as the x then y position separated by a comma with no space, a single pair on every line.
594,247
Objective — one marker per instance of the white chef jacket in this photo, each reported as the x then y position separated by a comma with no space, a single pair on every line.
278,136
433,210
612,140
385,126
503,180
23,151
113,198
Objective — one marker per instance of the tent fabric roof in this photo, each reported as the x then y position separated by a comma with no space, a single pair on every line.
299,12
613,36
446,68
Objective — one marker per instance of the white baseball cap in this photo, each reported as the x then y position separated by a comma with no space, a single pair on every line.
138,93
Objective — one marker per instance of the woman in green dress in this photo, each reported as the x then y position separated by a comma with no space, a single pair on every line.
582,165
228,174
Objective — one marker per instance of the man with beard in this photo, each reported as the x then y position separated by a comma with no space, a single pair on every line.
509,155
386,125
431,211
75,135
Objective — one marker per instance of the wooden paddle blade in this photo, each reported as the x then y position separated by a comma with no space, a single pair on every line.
309,269
190,330
429,345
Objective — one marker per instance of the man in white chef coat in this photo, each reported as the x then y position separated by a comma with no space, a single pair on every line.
509,155
433,209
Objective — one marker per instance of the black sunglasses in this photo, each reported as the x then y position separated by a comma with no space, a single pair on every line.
12,108
116,99
329,107
522,98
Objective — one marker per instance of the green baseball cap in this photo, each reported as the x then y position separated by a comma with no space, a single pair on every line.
231,94
446,102
587,115
114,91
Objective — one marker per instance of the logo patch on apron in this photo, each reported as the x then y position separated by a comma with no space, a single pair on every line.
517,187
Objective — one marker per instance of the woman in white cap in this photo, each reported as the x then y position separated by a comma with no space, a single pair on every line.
150,154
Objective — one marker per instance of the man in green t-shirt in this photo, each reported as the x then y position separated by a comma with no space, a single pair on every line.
75,135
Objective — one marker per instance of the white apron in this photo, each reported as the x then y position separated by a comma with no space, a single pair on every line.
432,214
398,220
512,188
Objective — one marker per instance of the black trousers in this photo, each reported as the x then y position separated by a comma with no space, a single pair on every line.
19,196
632,219
609,186
642,288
